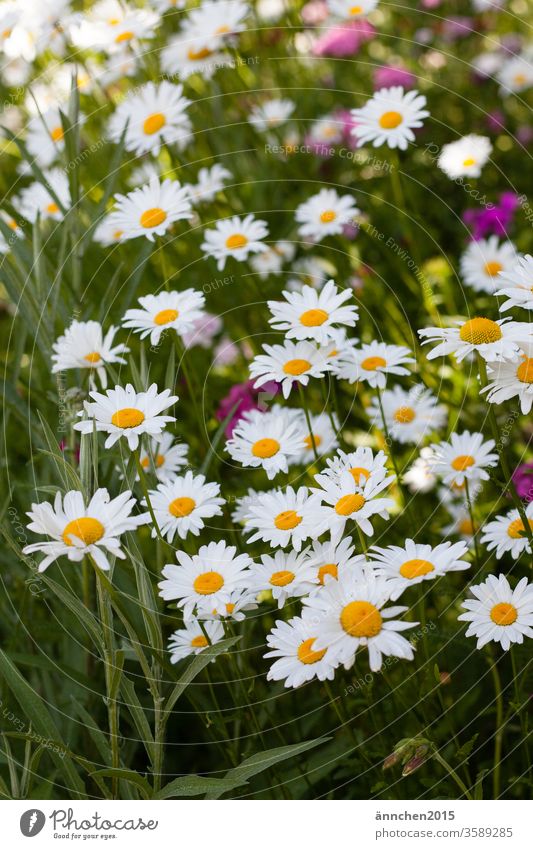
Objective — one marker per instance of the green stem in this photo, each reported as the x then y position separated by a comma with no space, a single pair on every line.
498,736
474,528
451,772
520,708
308,420
144,487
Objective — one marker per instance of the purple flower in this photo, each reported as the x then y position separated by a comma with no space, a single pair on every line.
390,75
493,219
344,39
523,481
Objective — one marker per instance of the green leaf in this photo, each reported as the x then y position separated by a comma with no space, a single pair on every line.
197,785
465,751
85,617
142,726
128,775
34,709
216,440
97,736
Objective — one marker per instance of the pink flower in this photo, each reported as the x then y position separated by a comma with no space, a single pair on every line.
495,218
344,39
523,481
390,75
205,330
246,398
314,13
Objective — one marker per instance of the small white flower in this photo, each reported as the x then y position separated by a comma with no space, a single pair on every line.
372,363
267,440
516,74
286,574
310,314
113,26
323,434
390,117
84,346
210,181
205,581
37,200
350,10
240,602
512,380
484,260
412,563
325,214
409,416
292,643
216,21
150,211
465,157
166,311
464,457
494,340
154,115
461,523
107,232
192,640
77,529
517,284
123,412
499,614
184,56
362,464
271,261
181,505
330,559
236,237
163,458
507,533
242,505
293,362
420,476
285,518
326,131
46,139
345,500
272,113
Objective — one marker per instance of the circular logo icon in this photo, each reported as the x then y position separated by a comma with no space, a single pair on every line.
32,822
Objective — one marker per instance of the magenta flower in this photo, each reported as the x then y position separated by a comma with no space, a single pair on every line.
389,75
344,39
493,219
523,481
247,398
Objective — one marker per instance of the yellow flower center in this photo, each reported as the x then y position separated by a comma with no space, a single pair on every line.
208,583
166,316
356,10
287,520
87,529
480,331
313,318
127,35
327,569
516,529
52,208
504,614
12,223
493,268
524,371
296,367
404,415
390,120
182,506
373,363
349,504
6,33
153,217
199,642
309,442
159,460
416,569
357,472
361,619
93,357
198,55
127,417
520,79
237,240
469,161
281,579
221,30
117,234
307,655
466,527
230,608
154,123
57,134
265,448
462,462
328,216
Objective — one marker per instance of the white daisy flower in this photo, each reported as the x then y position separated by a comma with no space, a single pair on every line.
216,20
362,464
350,10
13,224
464,457
351,613
412,563
46,139
286,518
154,115
409,416
143,173
516,74
322,434
290,363
271,261
420,476
163,6
236,237
191,639
163,458
483,261
210,181
123,412
151,210
84,346
345,500
267,440
272,113
77,529
517,284
166,311
313,315
461,523
113,26
325,214
240,603
389,117
185,56
181,505
494,340
512,380
465,157
37,201
499,614
242,505
310,271
107,233
298,661
285,574
325,131
508,534
372,363
205,581
329,559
